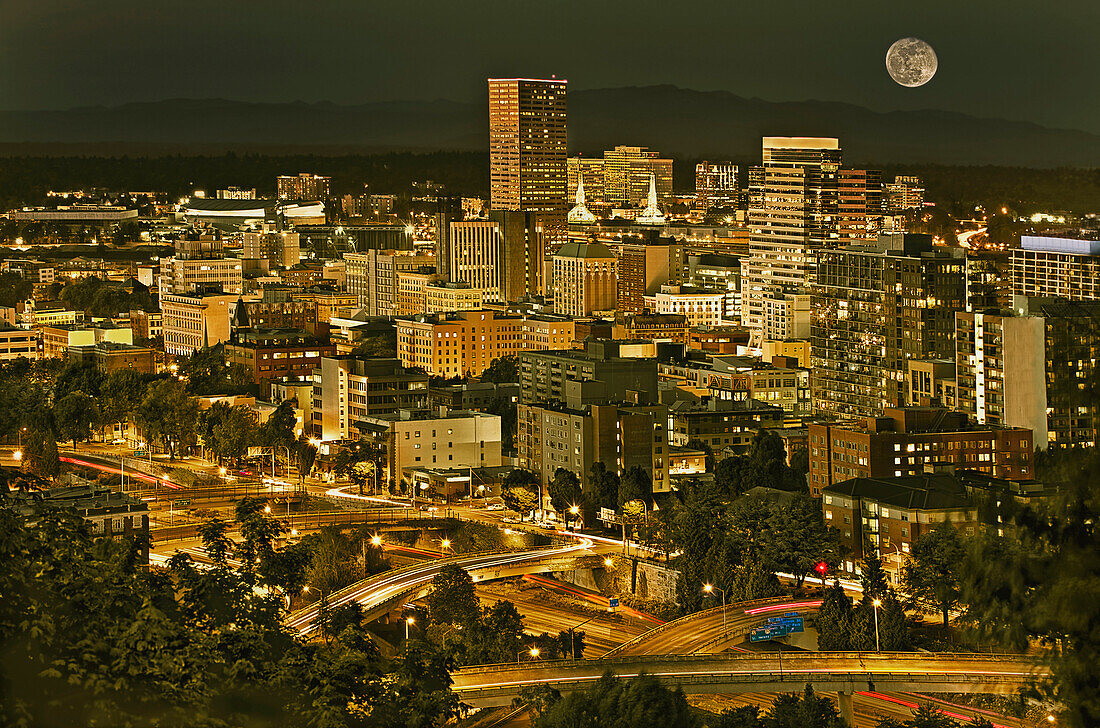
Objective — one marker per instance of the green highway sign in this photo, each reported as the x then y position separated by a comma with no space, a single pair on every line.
181,502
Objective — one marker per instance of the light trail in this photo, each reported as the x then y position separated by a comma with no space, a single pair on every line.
117,471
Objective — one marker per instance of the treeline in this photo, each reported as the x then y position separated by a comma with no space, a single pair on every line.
26,180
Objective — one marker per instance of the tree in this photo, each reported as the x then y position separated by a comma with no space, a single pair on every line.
120,395
228,430
804,711
727,474
933,571
520,491
380,345
76,413
635,486
278,429
502,370
602,491
872,576
639,703
306,453
834,620
452,598
798,539
170,415
495,637
79,377
564,490
14,289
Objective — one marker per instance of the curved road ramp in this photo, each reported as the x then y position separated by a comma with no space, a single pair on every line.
391,589
843,672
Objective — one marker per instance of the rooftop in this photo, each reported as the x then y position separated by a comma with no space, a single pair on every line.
921,492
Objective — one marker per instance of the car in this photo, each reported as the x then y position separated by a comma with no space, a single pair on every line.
495,507
510,519
245,473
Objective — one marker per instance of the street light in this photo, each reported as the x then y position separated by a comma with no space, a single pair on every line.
876,604
445,543
375,540
533,652
408,621
267,509
608,562
17,455
452,629
709,588
574,510
572,638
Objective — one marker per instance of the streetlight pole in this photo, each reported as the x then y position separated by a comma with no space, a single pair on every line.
572,639
408,621
876,604
534,652
708,588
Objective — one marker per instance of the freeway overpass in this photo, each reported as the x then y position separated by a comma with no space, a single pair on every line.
391,589
709,631
843,672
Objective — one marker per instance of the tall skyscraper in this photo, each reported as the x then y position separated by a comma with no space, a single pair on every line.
527,144
798,214
874,308
475,255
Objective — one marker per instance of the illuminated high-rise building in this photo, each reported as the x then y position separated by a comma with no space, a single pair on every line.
527,145
798,214
716,184
303,186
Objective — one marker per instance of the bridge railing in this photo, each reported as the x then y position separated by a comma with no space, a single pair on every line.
661,628
788,657
377,517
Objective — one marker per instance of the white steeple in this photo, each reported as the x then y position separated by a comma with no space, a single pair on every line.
651,215
580,213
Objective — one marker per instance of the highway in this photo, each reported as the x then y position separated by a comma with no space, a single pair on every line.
704,631
844,672
393,588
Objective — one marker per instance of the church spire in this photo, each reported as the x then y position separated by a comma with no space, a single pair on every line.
580,213
651,215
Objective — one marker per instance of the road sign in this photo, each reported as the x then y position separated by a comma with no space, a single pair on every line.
768,632
181,502
793,624
608,515
613,602
141,453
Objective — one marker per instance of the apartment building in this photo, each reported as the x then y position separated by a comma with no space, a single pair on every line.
347,390
459,343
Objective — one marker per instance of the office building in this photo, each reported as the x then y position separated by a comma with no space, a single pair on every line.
440,296
798,213
716,185
200,262
700,307
1056,267
282,249
303,186
905,193
874,308
717,272
915,440
726,426
652,326
17,342
347,390
409,441
457,344
859,203
474,254
527,145
57,340
601,372
554,435
584,279
643,267
194,321
277,307
372,277
785,316
1030,367
110,356
276,354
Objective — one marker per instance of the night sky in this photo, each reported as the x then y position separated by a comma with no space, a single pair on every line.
1012,59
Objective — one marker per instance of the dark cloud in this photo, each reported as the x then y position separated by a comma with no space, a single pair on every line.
1033,61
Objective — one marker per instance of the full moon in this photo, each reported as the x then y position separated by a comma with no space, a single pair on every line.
911,62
